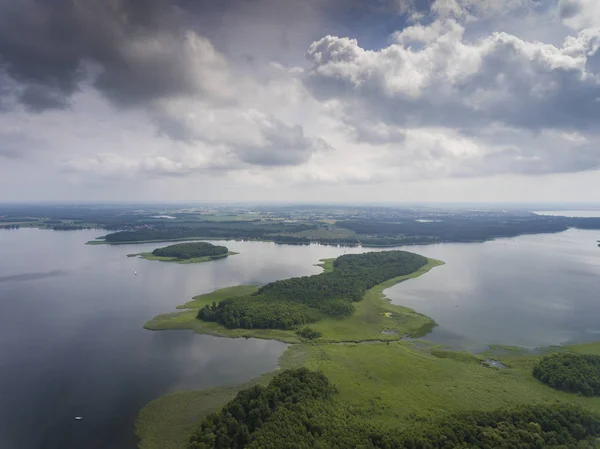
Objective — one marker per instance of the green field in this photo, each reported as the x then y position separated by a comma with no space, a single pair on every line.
390,384
373,316
150,256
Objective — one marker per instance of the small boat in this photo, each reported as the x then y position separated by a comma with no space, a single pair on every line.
78,418
135,272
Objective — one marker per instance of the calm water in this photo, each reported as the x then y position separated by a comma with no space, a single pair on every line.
534,290
71,316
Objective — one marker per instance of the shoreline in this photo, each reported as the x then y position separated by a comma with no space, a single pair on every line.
101,241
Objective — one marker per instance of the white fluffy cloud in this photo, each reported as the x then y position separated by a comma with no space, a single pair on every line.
444,105
446,80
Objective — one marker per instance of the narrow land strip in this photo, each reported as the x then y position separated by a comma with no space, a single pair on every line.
375,318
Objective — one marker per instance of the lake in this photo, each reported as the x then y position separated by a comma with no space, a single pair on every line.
531,291
71,318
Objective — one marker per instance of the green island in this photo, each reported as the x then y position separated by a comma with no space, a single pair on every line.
354,381
187,253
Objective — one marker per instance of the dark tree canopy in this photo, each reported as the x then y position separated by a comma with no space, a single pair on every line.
302,300
575,373
191,250
208,229
296,411
252,408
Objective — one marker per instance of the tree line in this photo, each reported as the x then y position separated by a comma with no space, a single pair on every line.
191,250
302,300
210,229
296,410
575,373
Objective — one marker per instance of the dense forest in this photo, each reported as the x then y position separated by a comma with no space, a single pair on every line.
296,301
367,232
575,373
453,228
252,408
332,225
209,229
191,250
296,411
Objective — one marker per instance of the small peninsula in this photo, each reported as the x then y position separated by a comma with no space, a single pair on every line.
187,253
345,303
352,380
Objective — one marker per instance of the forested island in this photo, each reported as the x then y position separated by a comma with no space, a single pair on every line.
187,253
296,301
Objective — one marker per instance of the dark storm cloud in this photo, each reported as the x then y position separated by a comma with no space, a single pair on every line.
134,46
39,98
135,51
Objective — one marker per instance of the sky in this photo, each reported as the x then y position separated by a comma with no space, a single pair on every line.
289,100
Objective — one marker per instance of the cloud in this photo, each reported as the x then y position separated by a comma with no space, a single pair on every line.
440,152
579,14
16,145
251,136
470,10
308,94
134,51
183,162
441,104
453,82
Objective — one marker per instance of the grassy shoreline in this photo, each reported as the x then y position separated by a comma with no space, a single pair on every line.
150,256
389,384
167,422
375,318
